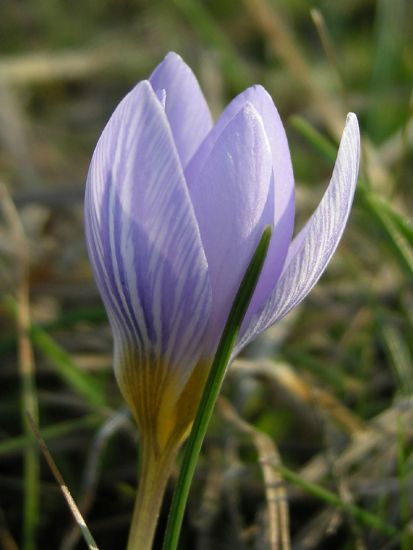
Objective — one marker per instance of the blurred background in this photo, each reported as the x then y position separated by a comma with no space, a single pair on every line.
311,443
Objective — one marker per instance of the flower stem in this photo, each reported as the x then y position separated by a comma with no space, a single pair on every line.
155,469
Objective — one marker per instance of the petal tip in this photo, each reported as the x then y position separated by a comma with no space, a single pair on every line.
142,87
171,59
351,135
351,117
259,89
352,124
249,111
172,56
143,91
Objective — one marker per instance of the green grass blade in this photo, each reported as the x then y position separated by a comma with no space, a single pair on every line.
320,143
366,518
66,320
87,535
21,442
211,391
397,231
81,382
399,355
400,223
31,498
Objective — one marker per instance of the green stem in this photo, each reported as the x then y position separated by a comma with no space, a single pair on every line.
28,404
211,391
155,469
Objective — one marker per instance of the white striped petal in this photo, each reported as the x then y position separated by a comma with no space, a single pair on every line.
143,238
314,246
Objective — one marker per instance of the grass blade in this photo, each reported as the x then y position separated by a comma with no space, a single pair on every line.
28,390
320,143
211,391
398,232
365,517
21,442
397,229
81,382
87,535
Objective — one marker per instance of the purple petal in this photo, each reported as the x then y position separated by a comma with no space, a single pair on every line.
143,238
233,198
283,180
314,246
186,108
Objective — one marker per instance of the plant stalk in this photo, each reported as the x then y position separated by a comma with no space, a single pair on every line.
155,470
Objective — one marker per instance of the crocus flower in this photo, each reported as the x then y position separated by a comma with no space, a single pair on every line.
175,206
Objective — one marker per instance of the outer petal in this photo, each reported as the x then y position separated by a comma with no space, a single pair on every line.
144,242
313,247
283,180
233,200
186,108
